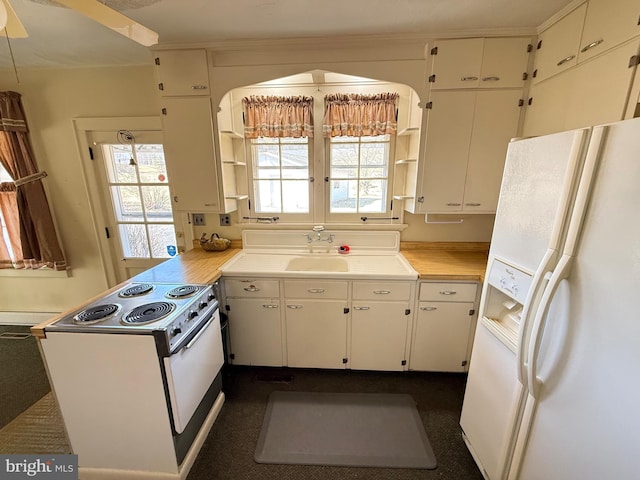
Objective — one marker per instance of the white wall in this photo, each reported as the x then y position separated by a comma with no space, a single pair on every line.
52,98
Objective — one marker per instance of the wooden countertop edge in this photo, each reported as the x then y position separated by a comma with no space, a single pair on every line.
446,246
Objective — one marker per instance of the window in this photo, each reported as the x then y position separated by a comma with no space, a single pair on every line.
138,186
359,174
281,175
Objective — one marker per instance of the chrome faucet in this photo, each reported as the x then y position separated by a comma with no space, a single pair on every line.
318,229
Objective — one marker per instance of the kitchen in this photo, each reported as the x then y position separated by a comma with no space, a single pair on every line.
131,92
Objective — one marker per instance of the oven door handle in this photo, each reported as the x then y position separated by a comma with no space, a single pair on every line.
193,341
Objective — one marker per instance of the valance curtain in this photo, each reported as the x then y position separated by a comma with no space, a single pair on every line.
25,208
276,117
357,115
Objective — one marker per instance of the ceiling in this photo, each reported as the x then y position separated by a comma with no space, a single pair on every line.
61,37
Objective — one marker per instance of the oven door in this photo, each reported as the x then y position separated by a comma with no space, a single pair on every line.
191,370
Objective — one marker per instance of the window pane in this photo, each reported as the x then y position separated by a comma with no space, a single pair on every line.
134,240
151,165
267,155
267,173
296,155
344,194
373,154
157,203
370,172
372,196
344,155
267,193
118,158
126,204
295,198
295,173
161,236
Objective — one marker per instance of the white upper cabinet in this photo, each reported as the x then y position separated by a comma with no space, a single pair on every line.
480,62
558,45
188,131
466,141
608,24
182,72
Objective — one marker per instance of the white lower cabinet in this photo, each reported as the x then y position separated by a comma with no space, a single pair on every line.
444,327
379,323
378,335
316,333
255,327
316,317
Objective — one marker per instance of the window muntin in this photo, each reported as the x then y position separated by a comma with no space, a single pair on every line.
139,191
281,175
359,174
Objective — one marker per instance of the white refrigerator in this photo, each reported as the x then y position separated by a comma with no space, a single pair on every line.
553,391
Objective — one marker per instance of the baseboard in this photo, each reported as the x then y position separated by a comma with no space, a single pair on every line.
25,318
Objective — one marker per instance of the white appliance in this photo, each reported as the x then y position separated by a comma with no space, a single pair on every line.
551,392
137,376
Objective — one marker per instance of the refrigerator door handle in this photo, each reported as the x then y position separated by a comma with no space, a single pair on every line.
560,273
537,286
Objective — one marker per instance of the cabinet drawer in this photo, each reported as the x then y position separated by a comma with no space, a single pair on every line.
252,288
315,289
381,291
448,292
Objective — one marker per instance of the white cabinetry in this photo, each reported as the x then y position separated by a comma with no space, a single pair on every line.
316,323
189,149
182,72
558,45
466,141
480,62
379,325
444,327
608,24
255,327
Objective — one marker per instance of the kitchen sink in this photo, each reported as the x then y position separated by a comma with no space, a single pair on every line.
317,264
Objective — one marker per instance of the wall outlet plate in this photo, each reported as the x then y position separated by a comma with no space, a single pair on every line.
225,220
198,219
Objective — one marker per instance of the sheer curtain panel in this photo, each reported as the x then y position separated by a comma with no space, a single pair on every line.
38,243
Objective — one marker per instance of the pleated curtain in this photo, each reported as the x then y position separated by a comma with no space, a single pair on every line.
358,115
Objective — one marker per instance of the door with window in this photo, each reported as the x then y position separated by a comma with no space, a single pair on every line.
134,198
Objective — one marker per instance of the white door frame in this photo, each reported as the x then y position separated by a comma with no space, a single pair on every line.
83,127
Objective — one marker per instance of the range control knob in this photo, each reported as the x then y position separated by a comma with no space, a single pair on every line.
192,314
210,297
176,331
202,304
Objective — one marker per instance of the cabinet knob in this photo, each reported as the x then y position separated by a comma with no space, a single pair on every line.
382,292
294,307
490,79
199,87
361,308
252,288
468,79
453,204
269,305
447,292
472,204
428,309
315,290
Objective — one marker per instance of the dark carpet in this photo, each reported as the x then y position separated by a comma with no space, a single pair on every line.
228,451
23,380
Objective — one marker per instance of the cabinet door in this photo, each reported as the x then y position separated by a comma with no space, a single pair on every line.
378,335
607,25
457,63
559,45
255,331
182,72
449,126
504,62
547,106
188,132
601,88
316,333
495,123
442,337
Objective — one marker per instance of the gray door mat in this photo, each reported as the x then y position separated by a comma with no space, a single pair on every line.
345,429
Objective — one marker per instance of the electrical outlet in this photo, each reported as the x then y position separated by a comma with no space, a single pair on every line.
225,220
198,219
